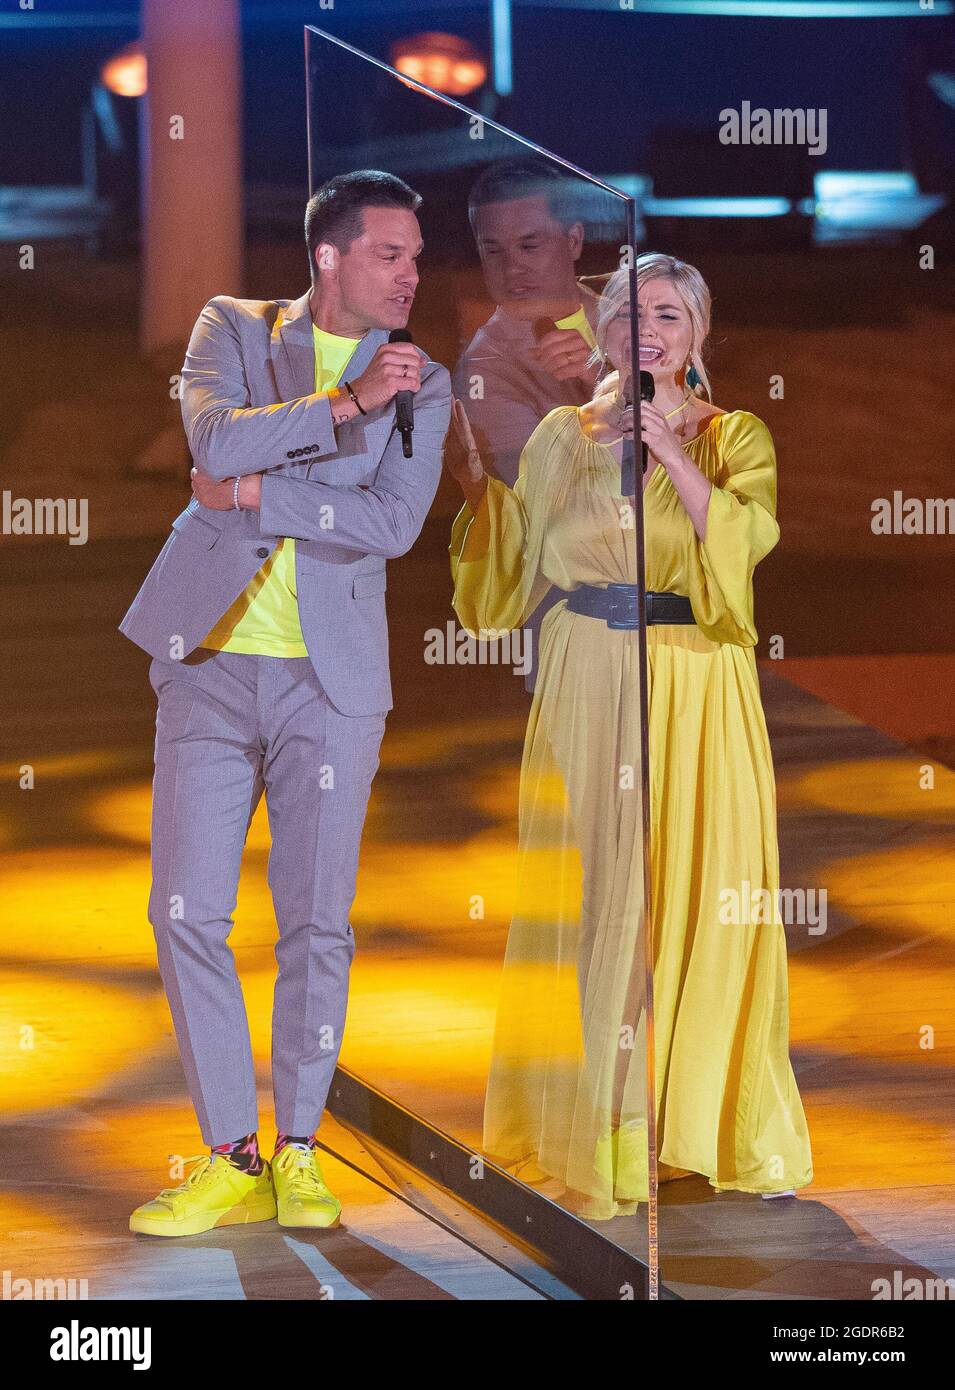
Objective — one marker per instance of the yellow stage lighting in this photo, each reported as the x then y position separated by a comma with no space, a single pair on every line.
66,1037
886,787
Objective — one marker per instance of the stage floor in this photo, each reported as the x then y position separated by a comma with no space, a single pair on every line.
93,1095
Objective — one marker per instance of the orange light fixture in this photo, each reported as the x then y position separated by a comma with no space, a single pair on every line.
125,73
442,61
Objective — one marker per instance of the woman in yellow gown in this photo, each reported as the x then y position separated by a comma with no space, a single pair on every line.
566,1095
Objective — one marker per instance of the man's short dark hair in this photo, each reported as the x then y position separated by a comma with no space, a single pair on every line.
334,211
527,176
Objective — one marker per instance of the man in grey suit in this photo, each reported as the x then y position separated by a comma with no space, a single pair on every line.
264,614
533,353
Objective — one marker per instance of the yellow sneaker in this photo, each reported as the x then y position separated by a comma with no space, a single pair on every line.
215,1193
303,1198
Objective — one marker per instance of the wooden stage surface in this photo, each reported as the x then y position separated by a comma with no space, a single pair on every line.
94,1098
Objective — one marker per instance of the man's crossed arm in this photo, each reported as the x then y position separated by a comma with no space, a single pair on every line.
229,440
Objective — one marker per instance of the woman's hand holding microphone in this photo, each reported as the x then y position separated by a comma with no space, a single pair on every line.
609,416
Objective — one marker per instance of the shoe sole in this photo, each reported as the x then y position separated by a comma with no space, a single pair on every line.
242,1214
313,1219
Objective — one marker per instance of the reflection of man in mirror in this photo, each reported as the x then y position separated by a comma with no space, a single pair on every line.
531,355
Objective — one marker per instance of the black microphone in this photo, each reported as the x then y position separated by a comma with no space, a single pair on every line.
647,390
628,470
404,400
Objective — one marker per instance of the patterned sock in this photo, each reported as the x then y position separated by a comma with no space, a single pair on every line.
243,1153
281,1139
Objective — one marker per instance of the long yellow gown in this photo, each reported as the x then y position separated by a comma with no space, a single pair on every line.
566,1094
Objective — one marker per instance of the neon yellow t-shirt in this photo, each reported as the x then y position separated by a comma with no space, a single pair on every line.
263,620
581,322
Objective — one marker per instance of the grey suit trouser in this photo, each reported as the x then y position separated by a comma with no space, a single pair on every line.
227,728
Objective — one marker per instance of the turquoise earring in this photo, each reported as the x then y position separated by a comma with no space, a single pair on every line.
692,377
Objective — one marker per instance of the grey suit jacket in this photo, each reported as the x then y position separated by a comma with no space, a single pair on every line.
347,495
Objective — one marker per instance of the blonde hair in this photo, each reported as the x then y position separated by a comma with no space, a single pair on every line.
690,286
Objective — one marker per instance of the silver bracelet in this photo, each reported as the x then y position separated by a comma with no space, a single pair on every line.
235,496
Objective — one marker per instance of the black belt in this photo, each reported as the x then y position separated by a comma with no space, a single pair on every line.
617,604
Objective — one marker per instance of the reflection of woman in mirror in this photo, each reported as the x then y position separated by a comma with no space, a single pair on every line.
567,1087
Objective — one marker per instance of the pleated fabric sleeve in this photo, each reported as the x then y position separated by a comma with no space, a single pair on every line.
741,529
496,553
